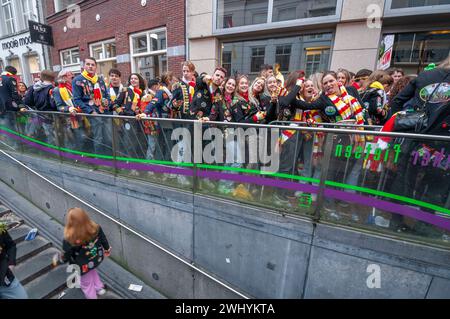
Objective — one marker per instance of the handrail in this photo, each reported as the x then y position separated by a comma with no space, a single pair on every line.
326,124
259,126
189,264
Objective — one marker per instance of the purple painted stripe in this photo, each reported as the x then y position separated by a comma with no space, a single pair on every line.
390,207
278,183
345,196
103,162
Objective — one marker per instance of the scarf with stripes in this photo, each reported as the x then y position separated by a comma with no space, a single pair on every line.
112,92
97,91
347,106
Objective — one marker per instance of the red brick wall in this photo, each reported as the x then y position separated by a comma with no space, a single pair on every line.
119,19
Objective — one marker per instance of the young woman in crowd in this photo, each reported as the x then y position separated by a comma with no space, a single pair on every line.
86,246
129,104
337,105
232,150
375,98
22,89
246,106
159,107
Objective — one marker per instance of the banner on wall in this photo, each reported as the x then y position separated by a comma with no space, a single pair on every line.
385,52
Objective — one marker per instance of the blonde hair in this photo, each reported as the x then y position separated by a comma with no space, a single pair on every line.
80,228
266,87
251,96
316,78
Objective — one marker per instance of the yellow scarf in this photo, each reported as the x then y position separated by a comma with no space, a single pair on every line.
66,95
98,96
377,85
90,78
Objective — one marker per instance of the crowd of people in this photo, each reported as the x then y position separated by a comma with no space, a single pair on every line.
364,98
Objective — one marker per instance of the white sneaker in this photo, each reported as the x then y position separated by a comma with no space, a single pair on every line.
101,292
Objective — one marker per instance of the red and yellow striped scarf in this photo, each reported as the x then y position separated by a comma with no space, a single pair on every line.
347,106
97,91
311,116
66,95
136,104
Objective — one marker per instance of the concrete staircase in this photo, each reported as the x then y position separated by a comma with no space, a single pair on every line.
34,266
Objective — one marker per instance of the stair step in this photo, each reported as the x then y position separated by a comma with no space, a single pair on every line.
4,210
36,266
12,221
28,249
48,284
78,294
18,234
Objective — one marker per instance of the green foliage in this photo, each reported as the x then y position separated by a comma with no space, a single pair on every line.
3,228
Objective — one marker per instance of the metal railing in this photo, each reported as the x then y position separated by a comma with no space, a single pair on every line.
328,167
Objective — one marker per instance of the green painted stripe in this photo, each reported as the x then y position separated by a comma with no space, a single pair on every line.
389,195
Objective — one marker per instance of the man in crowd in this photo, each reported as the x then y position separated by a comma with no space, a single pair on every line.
115,84
266,71
39,97
208,96
360,81
9,97
91,95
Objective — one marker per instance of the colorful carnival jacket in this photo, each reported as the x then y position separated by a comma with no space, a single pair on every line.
86,255
91,95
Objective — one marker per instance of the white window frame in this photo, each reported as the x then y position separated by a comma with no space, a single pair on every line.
57,6
133,55
275,25
28,13
412,11
71,59
103,43
3,4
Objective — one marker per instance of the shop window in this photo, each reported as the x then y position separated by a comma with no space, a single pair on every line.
414,51
149,53
246,57
401,4
235,13
284,10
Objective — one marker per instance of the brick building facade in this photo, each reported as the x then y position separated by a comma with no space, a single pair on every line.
135,36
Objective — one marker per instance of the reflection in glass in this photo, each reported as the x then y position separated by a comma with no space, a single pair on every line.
397,4
247,56
284,10
236,13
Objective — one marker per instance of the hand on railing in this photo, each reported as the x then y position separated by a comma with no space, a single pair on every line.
141,116
73,110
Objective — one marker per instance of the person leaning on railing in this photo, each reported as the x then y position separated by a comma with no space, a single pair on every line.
337,105
91,95
423,171
39,97
10,100
73,125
